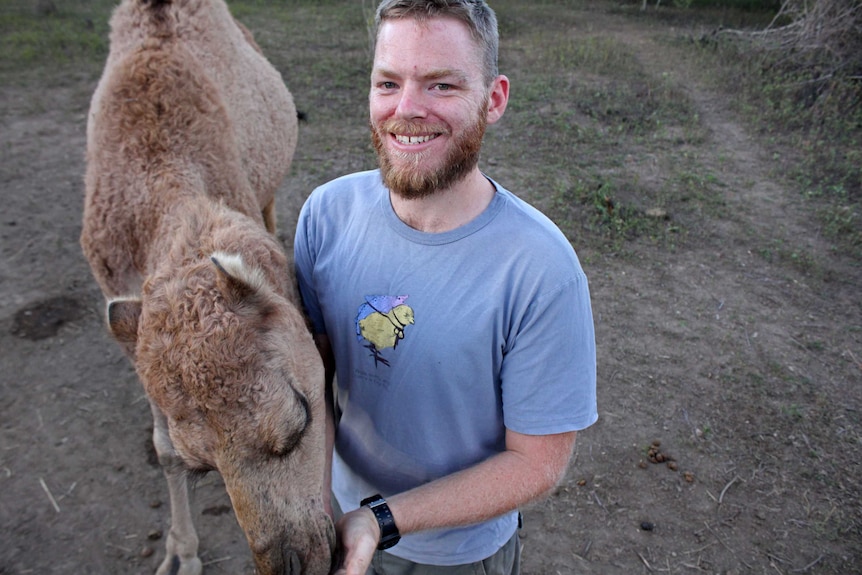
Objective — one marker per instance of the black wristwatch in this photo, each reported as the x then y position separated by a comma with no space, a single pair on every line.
389,535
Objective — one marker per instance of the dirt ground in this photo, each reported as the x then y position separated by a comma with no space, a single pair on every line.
739,365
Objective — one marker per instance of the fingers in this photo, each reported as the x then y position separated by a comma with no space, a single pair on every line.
358,534
358,562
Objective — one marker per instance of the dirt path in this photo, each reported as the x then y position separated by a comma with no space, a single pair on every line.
737,361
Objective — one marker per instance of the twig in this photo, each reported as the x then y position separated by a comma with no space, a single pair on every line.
773,557
725,545
68,491
853,357
784,6
693,551
807,567
48,493
646,563
726,487
214,561
599,501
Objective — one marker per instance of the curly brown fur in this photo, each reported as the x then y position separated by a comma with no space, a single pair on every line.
182,169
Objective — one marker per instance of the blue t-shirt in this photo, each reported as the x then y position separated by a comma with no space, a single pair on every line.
441,342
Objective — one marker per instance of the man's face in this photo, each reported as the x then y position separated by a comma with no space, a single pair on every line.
428,104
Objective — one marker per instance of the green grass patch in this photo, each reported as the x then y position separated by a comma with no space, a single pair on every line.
595,124
790,103
326,69
74,32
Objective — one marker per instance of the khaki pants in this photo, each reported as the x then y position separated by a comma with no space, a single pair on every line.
506,561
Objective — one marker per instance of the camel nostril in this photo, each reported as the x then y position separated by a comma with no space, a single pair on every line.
292,562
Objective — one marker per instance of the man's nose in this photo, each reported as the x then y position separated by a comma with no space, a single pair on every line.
412,102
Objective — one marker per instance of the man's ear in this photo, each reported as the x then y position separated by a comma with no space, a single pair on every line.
498,98
124,314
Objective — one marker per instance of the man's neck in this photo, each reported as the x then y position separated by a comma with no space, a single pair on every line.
445,210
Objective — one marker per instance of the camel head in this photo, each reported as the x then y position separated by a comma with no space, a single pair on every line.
230,363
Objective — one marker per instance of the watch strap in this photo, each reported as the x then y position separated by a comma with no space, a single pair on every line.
389,534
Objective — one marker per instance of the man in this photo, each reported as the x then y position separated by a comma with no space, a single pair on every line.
456,316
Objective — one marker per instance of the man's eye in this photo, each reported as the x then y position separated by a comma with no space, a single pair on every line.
388,85
444,87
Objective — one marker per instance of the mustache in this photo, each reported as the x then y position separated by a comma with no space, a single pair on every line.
410,128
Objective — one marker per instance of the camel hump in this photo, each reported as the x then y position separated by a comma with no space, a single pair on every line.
158,10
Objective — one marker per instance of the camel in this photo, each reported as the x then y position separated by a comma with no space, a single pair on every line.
190,132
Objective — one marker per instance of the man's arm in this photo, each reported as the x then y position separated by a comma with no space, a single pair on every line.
530,467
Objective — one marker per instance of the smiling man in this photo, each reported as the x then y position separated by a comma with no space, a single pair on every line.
456,316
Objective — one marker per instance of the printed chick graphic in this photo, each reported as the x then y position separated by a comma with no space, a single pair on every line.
381,321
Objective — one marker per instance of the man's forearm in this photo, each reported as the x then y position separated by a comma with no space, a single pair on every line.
526,471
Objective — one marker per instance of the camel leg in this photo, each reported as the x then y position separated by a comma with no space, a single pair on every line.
182,543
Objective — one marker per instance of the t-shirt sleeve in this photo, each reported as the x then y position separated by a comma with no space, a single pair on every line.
549,369
304,254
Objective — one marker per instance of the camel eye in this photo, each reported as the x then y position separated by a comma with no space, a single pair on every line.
295,428
196,474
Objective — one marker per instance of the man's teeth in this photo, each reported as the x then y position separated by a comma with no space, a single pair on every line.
414,139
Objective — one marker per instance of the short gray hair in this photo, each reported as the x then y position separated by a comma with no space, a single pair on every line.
476,14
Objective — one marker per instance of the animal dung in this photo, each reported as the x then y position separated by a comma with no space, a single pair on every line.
655,455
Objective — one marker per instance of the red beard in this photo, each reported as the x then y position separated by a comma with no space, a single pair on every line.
408,179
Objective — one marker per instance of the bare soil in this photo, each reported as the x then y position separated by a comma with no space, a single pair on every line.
730,368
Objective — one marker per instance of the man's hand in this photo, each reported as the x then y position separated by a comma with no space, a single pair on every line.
358,534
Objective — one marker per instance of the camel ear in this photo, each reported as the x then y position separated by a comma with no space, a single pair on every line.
240,281
123,318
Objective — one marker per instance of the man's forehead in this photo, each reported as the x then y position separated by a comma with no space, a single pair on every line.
396,47
423,26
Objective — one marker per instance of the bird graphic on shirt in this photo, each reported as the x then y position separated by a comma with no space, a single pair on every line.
381,321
